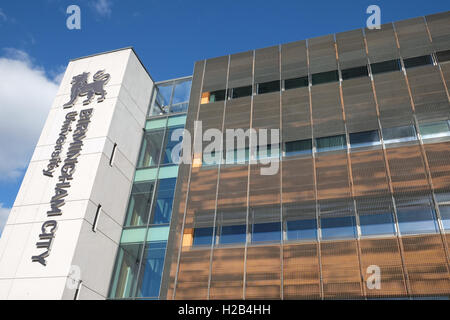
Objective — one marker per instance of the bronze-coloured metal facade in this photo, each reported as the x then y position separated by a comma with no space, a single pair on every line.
402,178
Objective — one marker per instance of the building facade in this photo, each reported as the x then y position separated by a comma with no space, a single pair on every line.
359,207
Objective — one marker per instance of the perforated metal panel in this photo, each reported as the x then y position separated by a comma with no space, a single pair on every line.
193,276
298,180
296,115
267,64
215,77
351,49
393,99
241,70
340,270
439,27
384,253
322,54
413,38
359,104
227,274
428,92
426,265
326,110
294,60
369,173
263,277
381,43
354,185
301,274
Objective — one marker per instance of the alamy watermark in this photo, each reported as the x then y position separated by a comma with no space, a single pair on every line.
374,20
73,21
240,147
374,280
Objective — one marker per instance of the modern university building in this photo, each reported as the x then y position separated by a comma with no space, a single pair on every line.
359,206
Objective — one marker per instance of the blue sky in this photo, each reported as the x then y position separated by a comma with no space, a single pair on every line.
167,35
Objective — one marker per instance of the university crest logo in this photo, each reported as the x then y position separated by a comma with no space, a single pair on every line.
81,87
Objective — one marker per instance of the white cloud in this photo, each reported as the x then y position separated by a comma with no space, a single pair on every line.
103,7
4,213
26,95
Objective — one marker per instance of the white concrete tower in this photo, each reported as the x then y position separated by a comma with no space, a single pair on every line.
69,217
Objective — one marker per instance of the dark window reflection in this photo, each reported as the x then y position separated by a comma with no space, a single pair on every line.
203,236
139,205
151,149
266,232
169,146
233,234
302,229
164,200
377,224
151,270
338,228
127,267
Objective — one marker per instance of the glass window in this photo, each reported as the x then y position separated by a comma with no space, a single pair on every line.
211,159
151,270
151,149
445,215
218,95
386,66
233,234
266,232
364,139
180,107
377,224
435,129
161,99
354,73
298,147
170,97
325,77
237,156
241,92
203,236
139,205
296,83
268,151
125,274
418,61
338,228
399,134
331,143
301,229
162,210
416,220
170,145
443,56
267,87
181,92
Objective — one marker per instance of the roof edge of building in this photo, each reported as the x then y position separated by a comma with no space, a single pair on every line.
115,50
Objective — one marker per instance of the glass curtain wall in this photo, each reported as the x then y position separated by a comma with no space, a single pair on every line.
171,97
140,258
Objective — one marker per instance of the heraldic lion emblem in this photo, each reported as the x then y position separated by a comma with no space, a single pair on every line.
81,87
